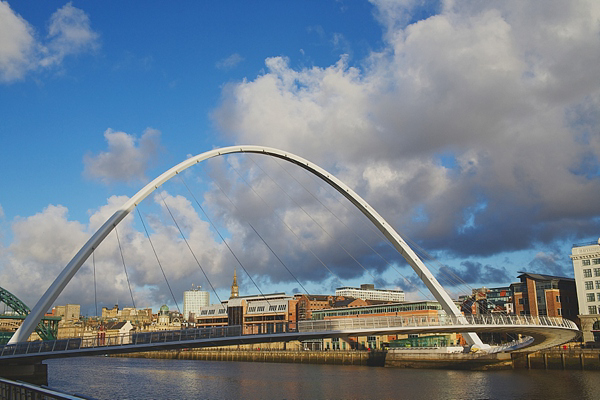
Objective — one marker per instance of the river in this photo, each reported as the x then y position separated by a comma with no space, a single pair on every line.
138,378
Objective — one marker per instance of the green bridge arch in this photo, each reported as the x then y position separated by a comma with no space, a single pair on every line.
47,328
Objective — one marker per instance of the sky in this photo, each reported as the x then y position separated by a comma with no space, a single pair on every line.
472,127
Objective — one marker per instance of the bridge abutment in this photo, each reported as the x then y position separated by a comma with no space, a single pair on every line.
36,373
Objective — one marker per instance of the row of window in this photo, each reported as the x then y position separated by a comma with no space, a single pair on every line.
587,273
594,261
592,296
280,307
589,285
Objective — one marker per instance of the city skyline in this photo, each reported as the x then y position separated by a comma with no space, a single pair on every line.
473,129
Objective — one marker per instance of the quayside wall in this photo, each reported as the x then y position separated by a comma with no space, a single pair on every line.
570,359
372,358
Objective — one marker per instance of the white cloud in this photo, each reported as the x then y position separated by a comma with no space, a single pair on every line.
127,158
69,33
504,90
44,243
17,45
230,62
22,51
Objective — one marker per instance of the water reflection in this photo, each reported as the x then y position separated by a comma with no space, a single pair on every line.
110,378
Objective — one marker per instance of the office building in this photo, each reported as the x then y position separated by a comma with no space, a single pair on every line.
586,266
545,295
193,301
368,292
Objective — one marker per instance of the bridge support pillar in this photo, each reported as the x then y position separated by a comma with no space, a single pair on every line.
36,374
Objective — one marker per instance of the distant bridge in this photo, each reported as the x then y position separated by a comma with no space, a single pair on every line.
46,329
540,332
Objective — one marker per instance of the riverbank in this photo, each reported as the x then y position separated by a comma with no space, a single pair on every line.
398,359
571,359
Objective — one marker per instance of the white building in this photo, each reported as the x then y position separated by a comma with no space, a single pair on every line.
368,292
193,301
586,265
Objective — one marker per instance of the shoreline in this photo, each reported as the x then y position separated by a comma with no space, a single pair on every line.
572,359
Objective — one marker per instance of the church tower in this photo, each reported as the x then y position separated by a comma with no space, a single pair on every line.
235,290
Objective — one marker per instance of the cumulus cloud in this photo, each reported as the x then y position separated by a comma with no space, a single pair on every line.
127,158
21,49
44,243
474,130
230,62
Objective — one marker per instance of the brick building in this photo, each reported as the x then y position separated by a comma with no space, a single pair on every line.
545,295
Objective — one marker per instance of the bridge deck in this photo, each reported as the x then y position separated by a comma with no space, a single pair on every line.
546,332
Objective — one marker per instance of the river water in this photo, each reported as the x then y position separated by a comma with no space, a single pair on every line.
138,378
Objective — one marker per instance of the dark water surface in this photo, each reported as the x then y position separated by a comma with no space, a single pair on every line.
138,378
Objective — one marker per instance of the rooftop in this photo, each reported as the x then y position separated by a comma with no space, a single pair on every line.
540,277
596,242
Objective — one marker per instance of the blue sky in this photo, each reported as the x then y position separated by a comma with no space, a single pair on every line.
473,128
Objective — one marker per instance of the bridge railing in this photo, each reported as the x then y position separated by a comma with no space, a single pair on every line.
136,338
423,321
346,324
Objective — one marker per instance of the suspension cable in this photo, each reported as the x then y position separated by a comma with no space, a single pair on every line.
95,292
254,229
222,238
415,246
300,240
124,267
284,223
315,221
348,228
157,259
190,248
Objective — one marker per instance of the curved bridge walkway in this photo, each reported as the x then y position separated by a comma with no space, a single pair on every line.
541,332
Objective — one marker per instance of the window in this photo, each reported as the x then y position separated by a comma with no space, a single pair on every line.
598,296
589,285
558,299
272,308
587,273
585,262
591,297
596,271
597,284
596,261
592,310
521,301
559,311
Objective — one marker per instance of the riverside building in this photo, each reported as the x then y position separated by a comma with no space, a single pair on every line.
545,295
368,292
193,301
586,266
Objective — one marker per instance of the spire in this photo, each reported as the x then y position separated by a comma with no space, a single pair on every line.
235,290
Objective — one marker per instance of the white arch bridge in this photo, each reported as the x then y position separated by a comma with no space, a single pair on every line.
543,331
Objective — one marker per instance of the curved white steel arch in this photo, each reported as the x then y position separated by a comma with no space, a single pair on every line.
73,266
